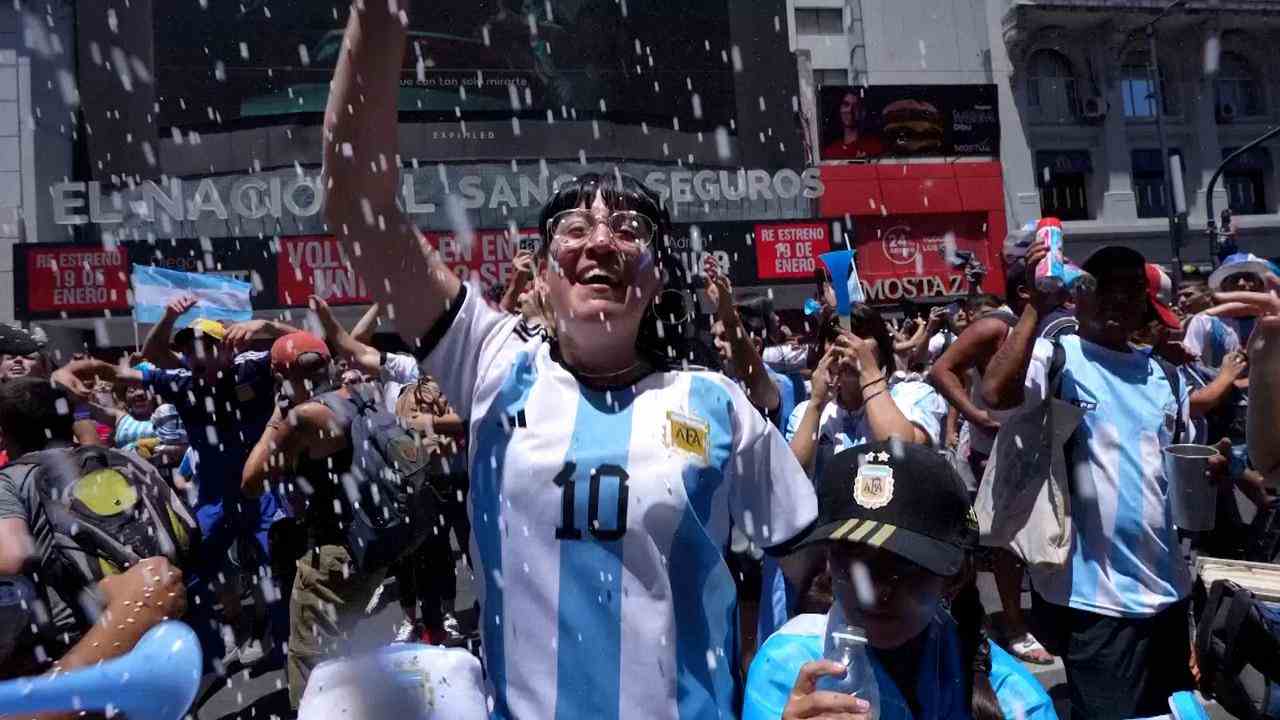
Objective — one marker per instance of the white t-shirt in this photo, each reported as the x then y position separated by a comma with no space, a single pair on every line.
1125,556
786,358
598,523
397,371
939,343
839,429
409,681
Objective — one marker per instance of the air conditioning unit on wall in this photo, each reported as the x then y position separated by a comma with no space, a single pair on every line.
1226,112
1094,108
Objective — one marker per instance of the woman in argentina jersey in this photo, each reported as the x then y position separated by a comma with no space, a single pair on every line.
603,484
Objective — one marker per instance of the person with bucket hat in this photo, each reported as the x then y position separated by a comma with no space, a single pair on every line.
1116,612
898,533
1216,332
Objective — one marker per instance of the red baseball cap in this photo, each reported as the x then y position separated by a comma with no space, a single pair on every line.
288,349
1160,294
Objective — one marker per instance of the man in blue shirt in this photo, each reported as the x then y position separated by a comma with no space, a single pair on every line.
225,398
1116,612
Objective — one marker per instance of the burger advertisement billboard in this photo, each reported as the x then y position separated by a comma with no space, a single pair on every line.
863,123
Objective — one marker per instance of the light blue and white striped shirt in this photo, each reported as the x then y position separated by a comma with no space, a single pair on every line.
940,685
599,521
1125,556
839,429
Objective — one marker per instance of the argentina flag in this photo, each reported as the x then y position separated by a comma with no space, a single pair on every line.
220,298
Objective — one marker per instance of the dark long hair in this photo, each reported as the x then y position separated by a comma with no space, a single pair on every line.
663,330
975,651
865,322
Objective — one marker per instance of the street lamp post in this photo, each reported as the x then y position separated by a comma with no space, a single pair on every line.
1157,99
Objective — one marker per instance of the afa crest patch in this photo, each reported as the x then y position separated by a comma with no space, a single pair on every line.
688,434
873,485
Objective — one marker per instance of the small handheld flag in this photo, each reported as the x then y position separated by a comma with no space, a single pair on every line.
845,281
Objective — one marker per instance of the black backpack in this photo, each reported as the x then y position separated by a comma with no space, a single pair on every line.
108,509
1238,650
386,492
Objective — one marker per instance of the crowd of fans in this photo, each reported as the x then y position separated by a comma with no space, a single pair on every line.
597,454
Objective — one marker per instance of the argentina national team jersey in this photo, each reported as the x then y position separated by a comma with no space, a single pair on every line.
598,522
839,429
1125,555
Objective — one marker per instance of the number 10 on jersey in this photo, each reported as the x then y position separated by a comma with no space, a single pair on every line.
602,499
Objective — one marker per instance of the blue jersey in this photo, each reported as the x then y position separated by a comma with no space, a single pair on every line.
1125,554
223,419
599,520
940,687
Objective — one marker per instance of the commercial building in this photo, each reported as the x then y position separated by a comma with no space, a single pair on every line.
1078,134
145,132
191,140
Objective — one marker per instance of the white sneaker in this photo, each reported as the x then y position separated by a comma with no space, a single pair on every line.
404,632
374,599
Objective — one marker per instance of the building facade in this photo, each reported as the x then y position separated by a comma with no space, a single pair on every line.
131,133
1078,131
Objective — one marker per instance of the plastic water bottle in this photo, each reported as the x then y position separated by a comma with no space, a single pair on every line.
847,645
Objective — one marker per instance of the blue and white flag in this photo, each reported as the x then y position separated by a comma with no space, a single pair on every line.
220,298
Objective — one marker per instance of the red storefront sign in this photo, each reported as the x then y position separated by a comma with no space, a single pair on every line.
77,279
908,257
317,265
789,251
487,257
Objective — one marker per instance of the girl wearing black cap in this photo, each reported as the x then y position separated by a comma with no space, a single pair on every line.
898,531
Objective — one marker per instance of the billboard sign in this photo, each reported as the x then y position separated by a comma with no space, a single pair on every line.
909,257
864,123
642,60
76,279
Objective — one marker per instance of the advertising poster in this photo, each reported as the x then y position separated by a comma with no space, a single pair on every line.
885,121
76,279
914,257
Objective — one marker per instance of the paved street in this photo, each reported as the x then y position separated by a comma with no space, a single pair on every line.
265,695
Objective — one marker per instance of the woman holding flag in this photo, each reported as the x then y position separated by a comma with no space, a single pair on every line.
604,482
856,398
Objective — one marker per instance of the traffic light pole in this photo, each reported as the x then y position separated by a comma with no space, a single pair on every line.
1211,225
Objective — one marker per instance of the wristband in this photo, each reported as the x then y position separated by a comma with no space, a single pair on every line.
864,386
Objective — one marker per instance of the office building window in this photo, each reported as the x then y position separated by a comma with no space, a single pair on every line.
819,21
1238,87
1063,179
830,77
1139,95
1148,183
1051,88
1245,180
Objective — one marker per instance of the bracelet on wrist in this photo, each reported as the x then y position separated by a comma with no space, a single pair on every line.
868,398
866,385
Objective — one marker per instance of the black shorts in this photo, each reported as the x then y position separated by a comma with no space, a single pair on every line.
1118,667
